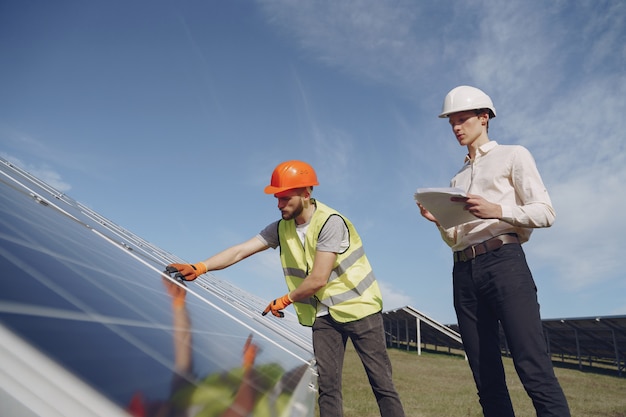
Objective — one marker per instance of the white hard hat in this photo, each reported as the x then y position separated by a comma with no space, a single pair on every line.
465,98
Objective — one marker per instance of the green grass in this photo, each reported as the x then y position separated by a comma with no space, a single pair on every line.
441,385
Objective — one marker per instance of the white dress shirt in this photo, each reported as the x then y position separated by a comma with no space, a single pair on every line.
506,175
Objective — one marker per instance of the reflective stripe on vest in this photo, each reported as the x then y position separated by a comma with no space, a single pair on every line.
352,291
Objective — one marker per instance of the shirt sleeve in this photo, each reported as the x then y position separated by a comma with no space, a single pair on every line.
334,236
535,207
448,235
269,235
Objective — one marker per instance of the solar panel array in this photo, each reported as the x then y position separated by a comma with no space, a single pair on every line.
91,326
588,342
406,327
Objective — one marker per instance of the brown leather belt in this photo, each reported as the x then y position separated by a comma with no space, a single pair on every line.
483,247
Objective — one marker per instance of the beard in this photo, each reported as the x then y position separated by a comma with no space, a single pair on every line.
295,213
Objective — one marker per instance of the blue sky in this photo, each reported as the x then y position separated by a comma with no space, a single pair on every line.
167,117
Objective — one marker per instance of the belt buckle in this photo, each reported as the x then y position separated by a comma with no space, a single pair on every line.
461,256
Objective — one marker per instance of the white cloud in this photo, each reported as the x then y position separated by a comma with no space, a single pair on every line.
374,40
51,177
42,172
393,298
584,245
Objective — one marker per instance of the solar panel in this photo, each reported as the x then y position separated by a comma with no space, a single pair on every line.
91,326
598,342
407,326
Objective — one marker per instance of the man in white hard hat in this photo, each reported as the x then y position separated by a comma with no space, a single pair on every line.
492,282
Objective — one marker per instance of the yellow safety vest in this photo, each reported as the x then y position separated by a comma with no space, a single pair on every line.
352,291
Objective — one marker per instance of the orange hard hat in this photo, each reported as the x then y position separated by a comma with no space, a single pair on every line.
291,174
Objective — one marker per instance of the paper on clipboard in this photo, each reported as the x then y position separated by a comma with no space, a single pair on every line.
437,201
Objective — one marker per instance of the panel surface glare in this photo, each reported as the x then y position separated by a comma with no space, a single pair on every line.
91,297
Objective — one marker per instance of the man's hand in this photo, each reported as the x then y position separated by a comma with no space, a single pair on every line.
427,214
480,207
187,272
277,305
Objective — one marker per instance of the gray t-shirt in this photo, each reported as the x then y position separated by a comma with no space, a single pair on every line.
334,236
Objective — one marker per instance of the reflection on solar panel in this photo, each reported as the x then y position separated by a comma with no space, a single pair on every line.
90,326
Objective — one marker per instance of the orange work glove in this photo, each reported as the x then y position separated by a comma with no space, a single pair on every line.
277,305
249,353
187,272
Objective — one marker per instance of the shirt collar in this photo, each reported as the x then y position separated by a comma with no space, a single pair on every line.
483,149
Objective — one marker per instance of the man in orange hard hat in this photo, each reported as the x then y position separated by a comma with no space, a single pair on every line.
331,285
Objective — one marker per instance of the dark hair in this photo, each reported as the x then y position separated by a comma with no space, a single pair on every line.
485,110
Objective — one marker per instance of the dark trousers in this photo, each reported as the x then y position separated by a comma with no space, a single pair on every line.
368,337
493,288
